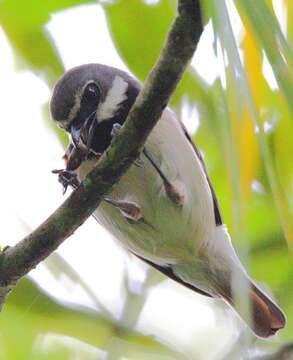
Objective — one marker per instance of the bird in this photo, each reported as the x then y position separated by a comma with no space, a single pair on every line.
163,210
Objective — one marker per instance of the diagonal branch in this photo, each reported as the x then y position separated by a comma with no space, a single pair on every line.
181,43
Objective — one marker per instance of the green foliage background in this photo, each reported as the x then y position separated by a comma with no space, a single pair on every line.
232,134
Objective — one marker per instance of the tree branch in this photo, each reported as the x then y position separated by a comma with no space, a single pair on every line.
181,43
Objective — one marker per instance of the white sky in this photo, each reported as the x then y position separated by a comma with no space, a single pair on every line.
29,192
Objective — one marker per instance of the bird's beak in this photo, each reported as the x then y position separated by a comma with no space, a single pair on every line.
75,135
82,133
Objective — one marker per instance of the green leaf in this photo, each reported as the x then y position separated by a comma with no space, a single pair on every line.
278,51
242,95
23,23
29,311
139,32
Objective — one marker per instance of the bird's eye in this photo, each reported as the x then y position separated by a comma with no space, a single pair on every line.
91,92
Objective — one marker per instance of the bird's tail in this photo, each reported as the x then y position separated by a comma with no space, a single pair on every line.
266,317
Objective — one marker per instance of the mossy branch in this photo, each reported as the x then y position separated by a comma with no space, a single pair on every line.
181,43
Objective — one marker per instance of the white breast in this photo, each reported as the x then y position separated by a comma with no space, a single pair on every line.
168,232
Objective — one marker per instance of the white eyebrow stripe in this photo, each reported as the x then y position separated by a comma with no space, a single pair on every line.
115,96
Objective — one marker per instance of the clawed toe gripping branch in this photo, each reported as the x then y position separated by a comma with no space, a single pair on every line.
183,37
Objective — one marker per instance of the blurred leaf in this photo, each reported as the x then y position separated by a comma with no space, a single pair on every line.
30,311
243,96
23,23
31,41
58,352
271,255
287,333
284,353
283,150
278,51
289,6
140,49
58,266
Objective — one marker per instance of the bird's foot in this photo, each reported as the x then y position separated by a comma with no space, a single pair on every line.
115,129
139,162
172,191
67,178
130,210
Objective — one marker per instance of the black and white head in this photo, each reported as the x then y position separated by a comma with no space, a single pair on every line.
89,99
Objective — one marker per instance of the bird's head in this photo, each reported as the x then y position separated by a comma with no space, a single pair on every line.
88,100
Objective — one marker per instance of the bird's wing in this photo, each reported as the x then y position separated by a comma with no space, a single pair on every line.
217,213
168,271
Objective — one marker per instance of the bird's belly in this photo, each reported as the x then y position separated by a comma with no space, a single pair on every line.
163,228
167,232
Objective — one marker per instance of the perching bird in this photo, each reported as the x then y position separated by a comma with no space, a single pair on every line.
164,209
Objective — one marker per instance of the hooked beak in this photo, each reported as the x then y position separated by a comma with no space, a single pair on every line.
82,134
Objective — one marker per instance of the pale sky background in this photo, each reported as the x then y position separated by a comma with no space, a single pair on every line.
29,192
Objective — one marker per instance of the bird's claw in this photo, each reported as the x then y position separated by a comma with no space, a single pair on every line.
139,162
67,178
115,129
